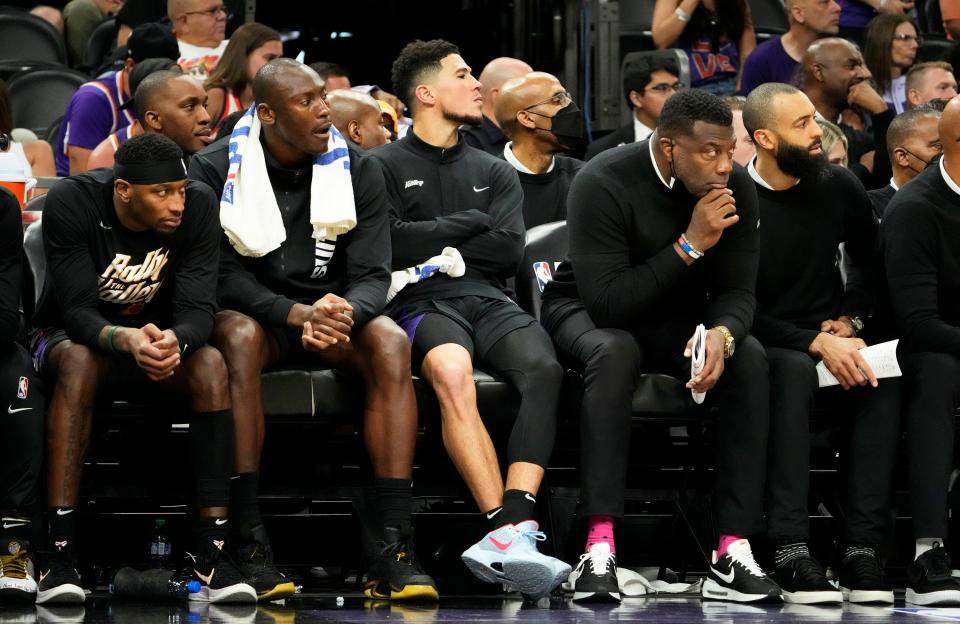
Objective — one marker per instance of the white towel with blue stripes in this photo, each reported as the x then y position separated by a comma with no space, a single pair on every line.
249,213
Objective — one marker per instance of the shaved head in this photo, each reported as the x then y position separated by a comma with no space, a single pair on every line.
345,105
759,111
492,78
270,82
520,93
826,52
950,130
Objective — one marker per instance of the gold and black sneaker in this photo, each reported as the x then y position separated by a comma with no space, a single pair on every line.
256,562
395,573
16,572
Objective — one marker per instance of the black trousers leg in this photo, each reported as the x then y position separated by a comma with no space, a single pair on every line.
21,433
609,360
933,386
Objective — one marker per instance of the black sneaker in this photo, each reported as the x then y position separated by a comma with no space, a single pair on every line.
220,578
929,581
801,578
595,579
256,565
861,577
737,577
59,581
395,573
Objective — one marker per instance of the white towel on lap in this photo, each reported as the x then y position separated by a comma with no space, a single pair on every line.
248,208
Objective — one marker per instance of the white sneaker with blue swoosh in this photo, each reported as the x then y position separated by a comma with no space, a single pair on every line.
736,576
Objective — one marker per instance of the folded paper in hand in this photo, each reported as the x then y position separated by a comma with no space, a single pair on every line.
881,357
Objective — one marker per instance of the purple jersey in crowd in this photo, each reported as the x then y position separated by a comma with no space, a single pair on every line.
769,62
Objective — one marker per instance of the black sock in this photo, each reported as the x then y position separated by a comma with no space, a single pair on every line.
63,527
493,519
210,534
211,449
244,507
394,500
16,526
517,507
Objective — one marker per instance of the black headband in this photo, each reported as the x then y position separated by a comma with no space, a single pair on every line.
156,172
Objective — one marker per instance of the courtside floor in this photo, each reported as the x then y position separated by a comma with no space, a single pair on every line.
354,610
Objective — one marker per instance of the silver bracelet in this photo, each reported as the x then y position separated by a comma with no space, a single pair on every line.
683,16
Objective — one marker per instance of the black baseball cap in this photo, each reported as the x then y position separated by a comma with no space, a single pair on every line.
152,40
143,69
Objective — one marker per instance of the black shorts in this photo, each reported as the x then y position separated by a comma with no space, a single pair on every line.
474,323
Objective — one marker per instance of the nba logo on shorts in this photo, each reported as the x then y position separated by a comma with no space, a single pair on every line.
542,271
23,387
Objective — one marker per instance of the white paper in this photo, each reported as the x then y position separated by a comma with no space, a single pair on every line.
882,359
698,359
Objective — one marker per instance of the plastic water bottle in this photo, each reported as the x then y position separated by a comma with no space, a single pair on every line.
156,583
161,550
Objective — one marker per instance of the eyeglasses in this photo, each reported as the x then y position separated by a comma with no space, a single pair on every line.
663,87
211,12
559,99
908,38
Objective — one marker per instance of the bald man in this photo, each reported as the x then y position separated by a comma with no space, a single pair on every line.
835,78
200,27
920,242
777,58
487,135
536,113
358,118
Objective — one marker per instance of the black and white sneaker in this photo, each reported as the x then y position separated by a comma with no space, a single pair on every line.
801,578
59,581
929,580
737,577
220,579
595,579
861,577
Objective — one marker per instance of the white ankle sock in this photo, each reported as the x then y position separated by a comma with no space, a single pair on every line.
924,544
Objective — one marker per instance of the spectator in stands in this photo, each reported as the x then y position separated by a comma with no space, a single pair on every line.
32,159
111,320
21,426
745,150
230,86
834,141
648,82
358,118
717,36
80,19
856,14
50,14
889,50
168,103
336,77
805,313
639,217
488,136
913,143
96,110
933,80
835,79
778,58
200,27
316,290
133,14
920,242
445,193
541,121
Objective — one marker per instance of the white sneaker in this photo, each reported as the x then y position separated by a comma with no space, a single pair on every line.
736,577
509,555
16,572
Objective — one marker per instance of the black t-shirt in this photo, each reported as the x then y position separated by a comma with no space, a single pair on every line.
11,248
545,194
100,273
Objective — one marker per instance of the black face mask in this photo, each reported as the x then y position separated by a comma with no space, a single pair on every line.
566,126
926,163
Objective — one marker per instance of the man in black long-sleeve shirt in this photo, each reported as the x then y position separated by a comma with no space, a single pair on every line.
663,236
319,301
920,242
21,425
127,307
804,313
447,194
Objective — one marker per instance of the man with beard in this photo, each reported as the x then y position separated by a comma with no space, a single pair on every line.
663,237
804,314
541,120
448,194
913,141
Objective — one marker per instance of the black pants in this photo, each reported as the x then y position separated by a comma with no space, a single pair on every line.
610,361
875,423
932,394
21,433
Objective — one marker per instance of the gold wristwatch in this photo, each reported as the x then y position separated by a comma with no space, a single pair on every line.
728,346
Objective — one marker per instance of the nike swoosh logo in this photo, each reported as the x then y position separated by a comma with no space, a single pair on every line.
64,512
493,513
476,190
106,227
527,496
10,409
726,578
221,521
10,526
501,545
206,579
43,576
